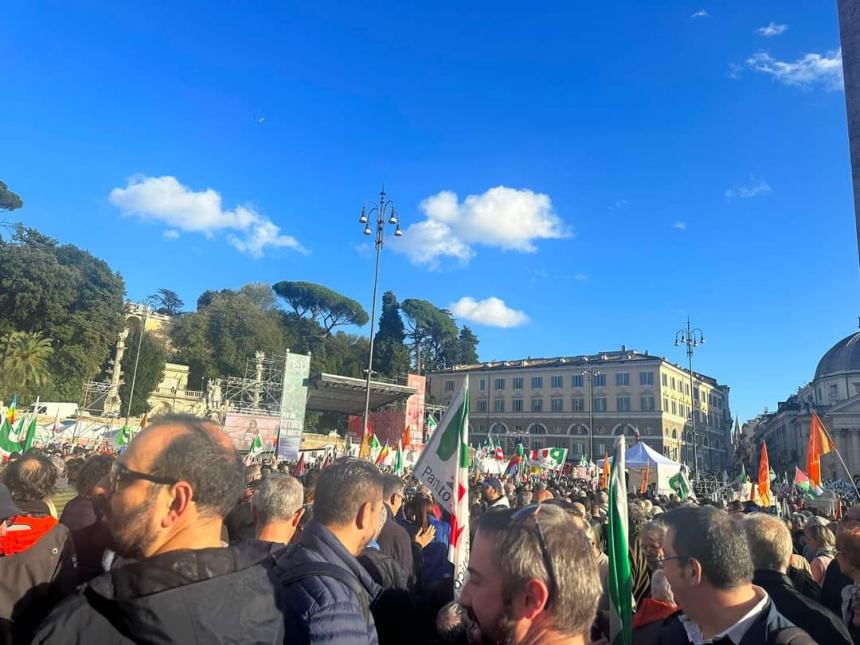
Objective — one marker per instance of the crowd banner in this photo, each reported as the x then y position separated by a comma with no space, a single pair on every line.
294,397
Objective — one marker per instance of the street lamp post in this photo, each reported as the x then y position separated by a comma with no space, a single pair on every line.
692,338
380,209
591,372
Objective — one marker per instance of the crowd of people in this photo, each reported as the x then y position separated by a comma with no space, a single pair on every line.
177,540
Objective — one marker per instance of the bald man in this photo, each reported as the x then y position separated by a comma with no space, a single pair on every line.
165,500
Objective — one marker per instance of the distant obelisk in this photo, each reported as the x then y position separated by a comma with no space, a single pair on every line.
849,35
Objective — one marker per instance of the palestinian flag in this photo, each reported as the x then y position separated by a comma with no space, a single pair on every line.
619,575
444,468
804,484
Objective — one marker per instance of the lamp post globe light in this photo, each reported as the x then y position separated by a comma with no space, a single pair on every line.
692,337
591,372
382,210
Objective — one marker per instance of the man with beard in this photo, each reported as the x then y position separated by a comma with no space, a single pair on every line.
532,578
167,496
328,592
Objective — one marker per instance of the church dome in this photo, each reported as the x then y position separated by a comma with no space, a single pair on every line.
844,356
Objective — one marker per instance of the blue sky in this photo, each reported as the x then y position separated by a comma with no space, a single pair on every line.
605,169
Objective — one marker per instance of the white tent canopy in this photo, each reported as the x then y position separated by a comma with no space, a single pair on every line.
660,468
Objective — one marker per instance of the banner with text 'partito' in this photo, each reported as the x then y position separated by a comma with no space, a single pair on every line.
444,468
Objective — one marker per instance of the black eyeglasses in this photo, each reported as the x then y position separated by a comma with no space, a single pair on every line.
672,557
532,511
118,471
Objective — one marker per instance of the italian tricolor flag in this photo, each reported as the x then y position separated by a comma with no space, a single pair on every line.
620,579
444,468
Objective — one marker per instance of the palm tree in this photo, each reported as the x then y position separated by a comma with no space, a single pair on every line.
25,359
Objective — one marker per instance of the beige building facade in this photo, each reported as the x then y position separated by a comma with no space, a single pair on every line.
834,393
556,402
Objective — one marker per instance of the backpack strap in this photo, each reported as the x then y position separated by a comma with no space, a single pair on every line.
327,570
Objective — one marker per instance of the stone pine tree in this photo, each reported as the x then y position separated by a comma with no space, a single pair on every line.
390,355
9,201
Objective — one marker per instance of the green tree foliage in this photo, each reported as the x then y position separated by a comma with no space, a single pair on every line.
467,347
70,297
25,363
226,330
320,304
390,355
9,201
150,370
167,302
433,335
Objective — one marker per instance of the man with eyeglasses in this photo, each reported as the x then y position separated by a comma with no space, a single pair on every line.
166,498
532,578
393,540
707,562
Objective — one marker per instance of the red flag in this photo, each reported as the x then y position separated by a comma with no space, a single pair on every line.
299,468
752,492
364,448
406,439
764,477
819,444
644,487
604,475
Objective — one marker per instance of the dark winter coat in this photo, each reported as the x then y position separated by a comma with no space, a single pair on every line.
323,609
818,621
33,581
218,595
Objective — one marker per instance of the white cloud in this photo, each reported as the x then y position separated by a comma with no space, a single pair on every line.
681,226
701,13
580,277
620,204
171,234
492,312
810,70
165,200
505,218
771,30
755,188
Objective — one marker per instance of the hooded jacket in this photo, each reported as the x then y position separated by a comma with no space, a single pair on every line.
216,595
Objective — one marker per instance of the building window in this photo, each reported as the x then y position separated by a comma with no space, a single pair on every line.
622,378
646,378
665,379
647,403
601,449
696,393
623,403
518,383
578,449
482,405
483,384
537,445
674,387
665,404
600,380
834,391
500,384
674,408
557,405
499,405
517,405
537,405
576,380
537,382
600,404
578,404
557,382
449,386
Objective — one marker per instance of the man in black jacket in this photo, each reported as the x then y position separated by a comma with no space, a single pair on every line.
168,496
770,547
707,562
393,539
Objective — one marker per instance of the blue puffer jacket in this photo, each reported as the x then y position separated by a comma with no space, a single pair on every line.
323,609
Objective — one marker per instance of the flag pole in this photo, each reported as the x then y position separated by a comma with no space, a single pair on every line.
839,454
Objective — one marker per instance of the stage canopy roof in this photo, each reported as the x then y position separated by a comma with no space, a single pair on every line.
344,394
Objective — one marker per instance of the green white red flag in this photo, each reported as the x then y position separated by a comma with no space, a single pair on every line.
444,468
620,578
